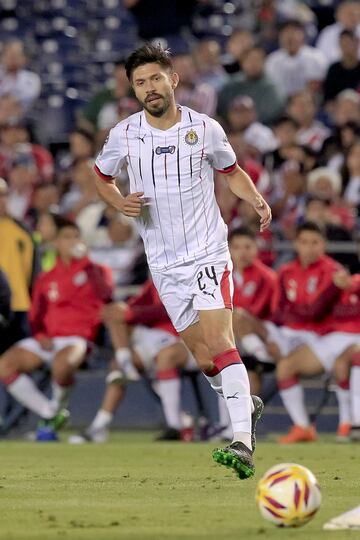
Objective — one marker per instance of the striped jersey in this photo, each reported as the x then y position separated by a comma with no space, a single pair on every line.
180,220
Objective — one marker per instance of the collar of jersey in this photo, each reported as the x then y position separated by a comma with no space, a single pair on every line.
172,128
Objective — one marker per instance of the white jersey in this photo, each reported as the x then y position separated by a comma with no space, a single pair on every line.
181,220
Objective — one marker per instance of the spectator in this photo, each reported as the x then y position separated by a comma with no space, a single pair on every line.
326,183
238,43
82,192
285,130
15,138
45,198
346,72
242,118
10,110
301,107
206,55
18,261
45,234
253,82
112,113
118,88
23,177
318,210
198,96
23,84
295,66
121,250
347,18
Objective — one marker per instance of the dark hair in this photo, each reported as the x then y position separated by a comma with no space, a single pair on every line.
317,198
285,119
148,54
61,222
255,47
311,227
291,23
84,133
242,231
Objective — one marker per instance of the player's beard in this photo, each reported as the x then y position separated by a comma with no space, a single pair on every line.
161,106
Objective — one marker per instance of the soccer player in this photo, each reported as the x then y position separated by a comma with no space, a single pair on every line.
254,286
171,152
308,290
145,342
341,351
65,313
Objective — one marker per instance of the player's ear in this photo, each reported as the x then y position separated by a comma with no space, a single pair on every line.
174,80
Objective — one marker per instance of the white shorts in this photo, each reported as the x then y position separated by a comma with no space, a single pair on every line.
329,347
288,339
198,285
148,342
32,345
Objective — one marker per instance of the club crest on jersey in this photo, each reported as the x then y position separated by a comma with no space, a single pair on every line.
312,285
191,137
164,150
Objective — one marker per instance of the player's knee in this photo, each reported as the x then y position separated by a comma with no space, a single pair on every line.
285,369
10,363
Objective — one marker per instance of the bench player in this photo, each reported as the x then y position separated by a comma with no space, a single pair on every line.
170,152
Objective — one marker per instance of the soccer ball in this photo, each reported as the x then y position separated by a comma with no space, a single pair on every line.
288,495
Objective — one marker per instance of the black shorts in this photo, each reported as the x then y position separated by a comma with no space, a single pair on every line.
253,364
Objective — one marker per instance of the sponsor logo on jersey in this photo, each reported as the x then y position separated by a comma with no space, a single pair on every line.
80,278
164,150
141,138
249,288
191,137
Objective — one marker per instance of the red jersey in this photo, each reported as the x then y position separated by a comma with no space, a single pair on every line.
305,296
254,289
345,316
67,300
146,308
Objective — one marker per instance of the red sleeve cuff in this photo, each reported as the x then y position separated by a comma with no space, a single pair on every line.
105,177
229,169
39,335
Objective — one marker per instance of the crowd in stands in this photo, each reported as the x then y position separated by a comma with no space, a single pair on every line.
283,78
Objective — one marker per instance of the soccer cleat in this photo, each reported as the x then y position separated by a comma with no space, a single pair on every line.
236,456
46,434
343,433
255,417
299,434
170,434
56,422
355,433
90,435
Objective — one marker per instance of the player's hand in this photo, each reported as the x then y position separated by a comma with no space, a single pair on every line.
46,343
114,313
342,279
264,211
132,204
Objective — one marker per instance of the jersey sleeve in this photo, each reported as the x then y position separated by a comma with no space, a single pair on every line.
222,155
112,156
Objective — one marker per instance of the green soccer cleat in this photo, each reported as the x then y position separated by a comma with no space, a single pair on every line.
236,456
56,422
255,417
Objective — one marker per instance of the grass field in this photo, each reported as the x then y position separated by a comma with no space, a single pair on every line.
132,488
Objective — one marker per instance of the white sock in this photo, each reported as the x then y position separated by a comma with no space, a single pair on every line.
293,399
102,420
344,402
236,388
59,394
25,391
254,345
169,391
355,395
123,359
215,382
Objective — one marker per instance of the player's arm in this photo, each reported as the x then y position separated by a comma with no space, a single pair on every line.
243,187
108,164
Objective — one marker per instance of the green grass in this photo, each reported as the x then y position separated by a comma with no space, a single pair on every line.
132,488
